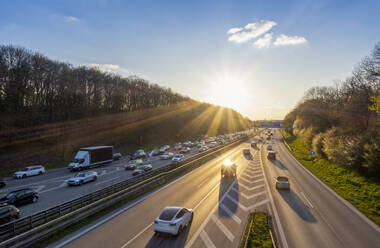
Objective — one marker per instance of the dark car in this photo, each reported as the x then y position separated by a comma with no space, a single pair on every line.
20,197
138,172
2,183
146,167
116,156
139,154
8,213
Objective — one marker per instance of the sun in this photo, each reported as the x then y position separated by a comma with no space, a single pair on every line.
228,89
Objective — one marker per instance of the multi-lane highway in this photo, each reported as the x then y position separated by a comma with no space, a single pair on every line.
308,215
53,189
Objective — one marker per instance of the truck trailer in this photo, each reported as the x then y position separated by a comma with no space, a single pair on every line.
91,157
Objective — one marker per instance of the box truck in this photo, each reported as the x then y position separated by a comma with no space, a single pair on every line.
91,157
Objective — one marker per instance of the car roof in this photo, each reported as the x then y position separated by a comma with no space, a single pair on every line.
168,213
19,190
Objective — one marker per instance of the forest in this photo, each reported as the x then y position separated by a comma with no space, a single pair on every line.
342,122
36,90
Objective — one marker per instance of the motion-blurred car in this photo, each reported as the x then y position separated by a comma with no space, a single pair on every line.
271,155
185,150
177,146
133,164
228,169
173,220
154,152
30,171
187,144
282,182
19,197
8,213
212,144
203,148
178,158
137,172
146,167
139,154
116,156
167,155
247,152
164,148
3,183
83,177
269,147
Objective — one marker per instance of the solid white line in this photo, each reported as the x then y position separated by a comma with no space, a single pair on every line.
309,202
230,213
206,239
204,181
106,181
223,228
142,231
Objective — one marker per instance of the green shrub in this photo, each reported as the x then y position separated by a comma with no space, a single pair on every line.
317,145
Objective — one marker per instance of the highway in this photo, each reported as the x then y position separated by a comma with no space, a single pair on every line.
53,189
309,215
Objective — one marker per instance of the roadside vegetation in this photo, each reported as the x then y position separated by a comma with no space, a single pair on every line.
51,109
257,234
341,125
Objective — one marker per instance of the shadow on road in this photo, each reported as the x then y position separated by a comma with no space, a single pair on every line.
248,156
167,240
279,165
297,205
225,183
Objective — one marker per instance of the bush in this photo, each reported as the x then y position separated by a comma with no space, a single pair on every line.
307,136
371,156
317,145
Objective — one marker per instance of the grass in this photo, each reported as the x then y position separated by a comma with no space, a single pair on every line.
257,232
362,192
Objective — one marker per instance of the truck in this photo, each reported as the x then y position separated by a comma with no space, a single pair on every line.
228,169
89,157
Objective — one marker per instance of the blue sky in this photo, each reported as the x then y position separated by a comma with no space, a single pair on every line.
185,45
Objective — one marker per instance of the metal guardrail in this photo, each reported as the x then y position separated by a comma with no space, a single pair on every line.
25,224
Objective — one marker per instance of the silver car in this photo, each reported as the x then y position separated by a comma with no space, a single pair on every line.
166,155
173,220
282,182
30,171
178,157
83,177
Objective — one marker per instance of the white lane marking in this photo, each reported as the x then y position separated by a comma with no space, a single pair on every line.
245,180
103,172
106,181
117,168
206,239
259,204
275,213
237,203
131,240
230,213
204,181
251,188
309,202
251,196
256,175
204,198
223,228
39,188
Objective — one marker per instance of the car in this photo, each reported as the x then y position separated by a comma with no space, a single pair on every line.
177,146
178,157
8,213
167,155
30,171
83,177
253,144
20,197
3,183
137,172
271,155
185,150
228,169
282,182
116,156
212,144
173,220
164,149
154,152
145,167
139,154
133,164
269,147
187,144
246,152
203,148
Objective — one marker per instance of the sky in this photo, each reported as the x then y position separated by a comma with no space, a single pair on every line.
257,57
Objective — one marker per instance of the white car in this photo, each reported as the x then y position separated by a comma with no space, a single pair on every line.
282,182
167,155
83,177
30,171
178,157
173,220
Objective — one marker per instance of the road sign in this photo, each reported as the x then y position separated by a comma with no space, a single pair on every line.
312,153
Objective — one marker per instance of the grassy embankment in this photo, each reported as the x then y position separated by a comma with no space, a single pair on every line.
360,191
257,232
54,145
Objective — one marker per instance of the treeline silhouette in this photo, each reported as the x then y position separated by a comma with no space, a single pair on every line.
35,90
341,123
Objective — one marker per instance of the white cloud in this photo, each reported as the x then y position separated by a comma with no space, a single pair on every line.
71,19
250,31
104,67
111,68
263,42
284,40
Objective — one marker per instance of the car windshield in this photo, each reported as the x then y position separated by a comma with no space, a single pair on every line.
78,160
81,174
168,214
10,195
282,179
25,169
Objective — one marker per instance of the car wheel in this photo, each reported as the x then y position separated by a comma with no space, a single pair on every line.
35,199
95,177
23,176
80,182
40,173
179,231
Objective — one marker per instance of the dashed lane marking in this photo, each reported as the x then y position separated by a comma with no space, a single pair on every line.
206,239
